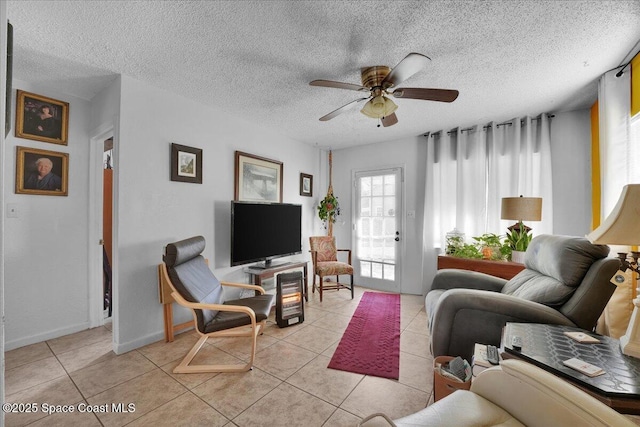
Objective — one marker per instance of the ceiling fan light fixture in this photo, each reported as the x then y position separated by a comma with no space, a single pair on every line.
379,107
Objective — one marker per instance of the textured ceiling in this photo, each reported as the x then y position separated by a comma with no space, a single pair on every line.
255,59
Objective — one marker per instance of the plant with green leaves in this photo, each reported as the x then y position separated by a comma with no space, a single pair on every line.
467,250
490,246
329,208
489,239
518,238
453,244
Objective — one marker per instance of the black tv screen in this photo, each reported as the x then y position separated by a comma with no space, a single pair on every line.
263,231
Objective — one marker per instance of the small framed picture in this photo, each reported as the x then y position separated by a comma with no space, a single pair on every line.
41,172
306,185
41,118
186,164
257,179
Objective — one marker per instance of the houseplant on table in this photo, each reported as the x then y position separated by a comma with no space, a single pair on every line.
518,239
490,246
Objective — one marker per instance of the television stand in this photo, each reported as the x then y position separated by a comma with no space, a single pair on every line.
261,273
268,265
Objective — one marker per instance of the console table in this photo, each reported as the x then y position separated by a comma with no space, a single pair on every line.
260,274
547,347
504,269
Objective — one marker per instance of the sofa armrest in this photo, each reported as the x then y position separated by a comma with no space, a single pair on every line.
455,278
539,398
466,316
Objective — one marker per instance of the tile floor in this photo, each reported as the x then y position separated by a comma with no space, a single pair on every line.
290,384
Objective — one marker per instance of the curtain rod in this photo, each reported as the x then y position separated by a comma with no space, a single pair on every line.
509,123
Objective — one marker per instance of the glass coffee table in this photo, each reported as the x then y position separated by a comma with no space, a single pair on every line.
547,347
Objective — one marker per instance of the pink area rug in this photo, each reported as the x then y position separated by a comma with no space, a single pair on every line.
371,343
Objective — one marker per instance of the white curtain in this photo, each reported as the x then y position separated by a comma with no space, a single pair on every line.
617,155
469,171
614,105
520,164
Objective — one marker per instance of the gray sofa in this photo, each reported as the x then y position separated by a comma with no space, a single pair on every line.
566,282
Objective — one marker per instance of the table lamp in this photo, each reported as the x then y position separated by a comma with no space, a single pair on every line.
622,227
521,209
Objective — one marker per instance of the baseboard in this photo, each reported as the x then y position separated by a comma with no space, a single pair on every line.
121,348
49,335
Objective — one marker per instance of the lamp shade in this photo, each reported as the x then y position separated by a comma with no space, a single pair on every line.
521,208
622,226
379,107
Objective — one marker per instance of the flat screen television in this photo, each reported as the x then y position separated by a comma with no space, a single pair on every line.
261,232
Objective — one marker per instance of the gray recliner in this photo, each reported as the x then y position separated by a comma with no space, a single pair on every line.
566,282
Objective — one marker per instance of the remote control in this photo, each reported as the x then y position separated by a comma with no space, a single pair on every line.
516,343
492,355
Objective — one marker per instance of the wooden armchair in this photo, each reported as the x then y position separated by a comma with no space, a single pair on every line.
194,286
324,256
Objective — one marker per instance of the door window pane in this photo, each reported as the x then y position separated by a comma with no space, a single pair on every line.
389,272
389,185
377,185
376,271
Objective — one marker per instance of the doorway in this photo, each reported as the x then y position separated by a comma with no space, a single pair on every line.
107,229
378,228
103,257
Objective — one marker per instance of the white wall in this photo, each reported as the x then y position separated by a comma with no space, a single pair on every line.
46,254
3,178
410,154
571,169
571,164
153,211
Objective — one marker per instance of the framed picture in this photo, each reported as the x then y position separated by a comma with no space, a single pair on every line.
186,164
306,185
41,118
41,172
257,179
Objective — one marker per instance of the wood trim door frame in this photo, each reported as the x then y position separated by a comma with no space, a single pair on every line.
96,204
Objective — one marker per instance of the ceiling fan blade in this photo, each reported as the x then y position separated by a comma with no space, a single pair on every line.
406,68
389,120
342,109
442,95
339,85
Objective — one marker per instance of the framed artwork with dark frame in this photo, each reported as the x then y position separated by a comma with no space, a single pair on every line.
41,118
306,185
257,179
41,172
186,164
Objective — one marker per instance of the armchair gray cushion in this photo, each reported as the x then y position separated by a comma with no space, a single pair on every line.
565,282
547,281
193,279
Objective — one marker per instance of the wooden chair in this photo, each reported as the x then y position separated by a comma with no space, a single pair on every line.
324,256
194,286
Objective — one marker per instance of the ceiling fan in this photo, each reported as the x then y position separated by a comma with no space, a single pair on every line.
378,80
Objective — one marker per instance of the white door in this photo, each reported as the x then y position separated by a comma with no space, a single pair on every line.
378,229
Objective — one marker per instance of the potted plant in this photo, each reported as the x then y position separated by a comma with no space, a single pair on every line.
467,250
454,241
328,210
518,239
490,246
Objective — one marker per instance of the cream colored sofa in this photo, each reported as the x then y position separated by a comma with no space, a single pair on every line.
515,393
